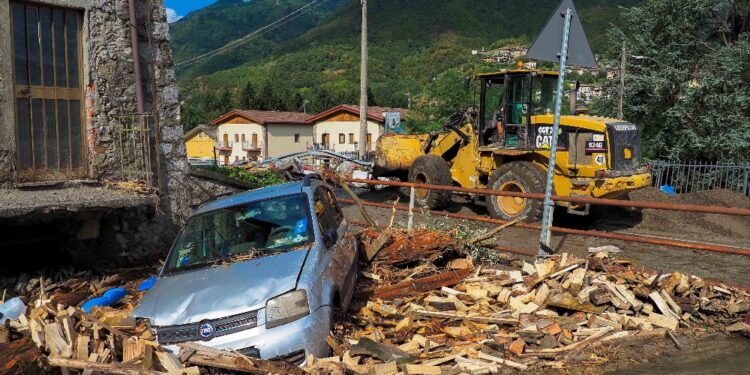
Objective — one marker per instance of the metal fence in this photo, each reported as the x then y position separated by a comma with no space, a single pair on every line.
694,176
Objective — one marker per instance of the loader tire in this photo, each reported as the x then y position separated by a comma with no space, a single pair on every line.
430,169
517,176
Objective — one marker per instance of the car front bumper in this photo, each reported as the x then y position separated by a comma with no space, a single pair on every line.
308,334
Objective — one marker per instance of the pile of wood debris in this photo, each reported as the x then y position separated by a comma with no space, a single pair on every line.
529,317
423,307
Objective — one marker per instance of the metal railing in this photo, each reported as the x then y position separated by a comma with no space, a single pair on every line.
410,209
224,145
134,145
251,145
694,176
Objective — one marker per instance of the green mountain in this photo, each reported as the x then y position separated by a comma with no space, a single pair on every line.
419,50
226,20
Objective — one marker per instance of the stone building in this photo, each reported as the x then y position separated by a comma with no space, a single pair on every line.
88,100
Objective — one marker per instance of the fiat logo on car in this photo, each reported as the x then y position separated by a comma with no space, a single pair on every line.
206,330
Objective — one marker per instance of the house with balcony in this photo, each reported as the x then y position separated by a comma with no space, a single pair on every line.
255,135
337,128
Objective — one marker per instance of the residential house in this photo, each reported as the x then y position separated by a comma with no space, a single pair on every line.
200,144
337,128
252,135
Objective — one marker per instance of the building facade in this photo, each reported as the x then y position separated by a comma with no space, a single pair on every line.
200,144
252,135
337,128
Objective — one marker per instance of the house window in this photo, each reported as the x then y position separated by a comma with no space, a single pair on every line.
236,158
45,55
243,138
342,138
296,138
236,138
351,138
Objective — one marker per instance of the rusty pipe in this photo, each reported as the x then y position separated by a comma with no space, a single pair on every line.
139,100
600,201
579,232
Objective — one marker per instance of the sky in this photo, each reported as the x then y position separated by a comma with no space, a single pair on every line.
177,9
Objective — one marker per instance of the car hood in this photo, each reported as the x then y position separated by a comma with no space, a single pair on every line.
220,291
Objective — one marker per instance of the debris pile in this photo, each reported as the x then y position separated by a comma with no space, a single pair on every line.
422,307
108,340
529,317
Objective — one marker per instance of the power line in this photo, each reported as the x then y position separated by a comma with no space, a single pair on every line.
253,35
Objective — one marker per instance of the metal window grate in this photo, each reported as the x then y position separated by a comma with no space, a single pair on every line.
134,145
694,176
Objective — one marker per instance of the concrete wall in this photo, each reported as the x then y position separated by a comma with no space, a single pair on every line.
334,128
232,130
281,138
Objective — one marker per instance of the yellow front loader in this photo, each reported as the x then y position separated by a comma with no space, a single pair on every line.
505,146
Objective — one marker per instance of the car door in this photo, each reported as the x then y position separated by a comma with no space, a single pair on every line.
343,267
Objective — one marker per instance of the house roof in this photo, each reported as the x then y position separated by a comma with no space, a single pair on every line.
210,131
373,113
265,117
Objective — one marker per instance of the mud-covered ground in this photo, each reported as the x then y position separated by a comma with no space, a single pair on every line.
706,228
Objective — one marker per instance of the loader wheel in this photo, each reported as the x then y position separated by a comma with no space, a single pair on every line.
430,169
521,177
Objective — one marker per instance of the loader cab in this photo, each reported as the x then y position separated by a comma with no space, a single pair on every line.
508,99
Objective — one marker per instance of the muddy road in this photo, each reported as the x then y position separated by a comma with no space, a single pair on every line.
707,228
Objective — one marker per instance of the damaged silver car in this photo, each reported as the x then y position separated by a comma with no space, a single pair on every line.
263,272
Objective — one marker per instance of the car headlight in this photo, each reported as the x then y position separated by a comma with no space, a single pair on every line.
286,308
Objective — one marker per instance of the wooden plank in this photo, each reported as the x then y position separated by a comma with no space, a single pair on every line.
55,341
662,305
388,368
502,361
106,368
82,347
480,319
411,369
168,361
665,321
205,356
575,345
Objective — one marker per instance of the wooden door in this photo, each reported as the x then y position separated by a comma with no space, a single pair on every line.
326,140
255,140
226,140
47,86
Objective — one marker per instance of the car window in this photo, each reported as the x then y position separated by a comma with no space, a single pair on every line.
250,230
324,211
333,203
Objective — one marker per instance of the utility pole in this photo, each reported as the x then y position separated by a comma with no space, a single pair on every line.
621,97
363,87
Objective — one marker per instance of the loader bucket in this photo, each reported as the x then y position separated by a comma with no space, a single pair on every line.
395,153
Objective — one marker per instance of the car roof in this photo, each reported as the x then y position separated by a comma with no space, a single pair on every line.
252,195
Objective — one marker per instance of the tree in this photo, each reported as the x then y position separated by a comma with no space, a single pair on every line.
688,64
248,99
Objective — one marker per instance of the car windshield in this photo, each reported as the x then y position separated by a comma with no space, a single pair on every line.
251,230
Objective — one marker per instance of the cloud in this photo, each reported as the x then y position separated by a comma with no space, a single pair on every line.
172,15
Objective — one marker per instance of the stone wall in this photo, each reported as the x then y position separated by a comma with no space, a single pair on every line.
124,235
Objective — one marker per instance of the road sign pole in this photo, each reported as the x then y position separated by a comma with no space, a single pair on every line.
548,209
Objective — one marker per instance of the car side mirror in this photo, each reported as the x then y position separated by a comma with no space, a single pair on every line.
330,237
